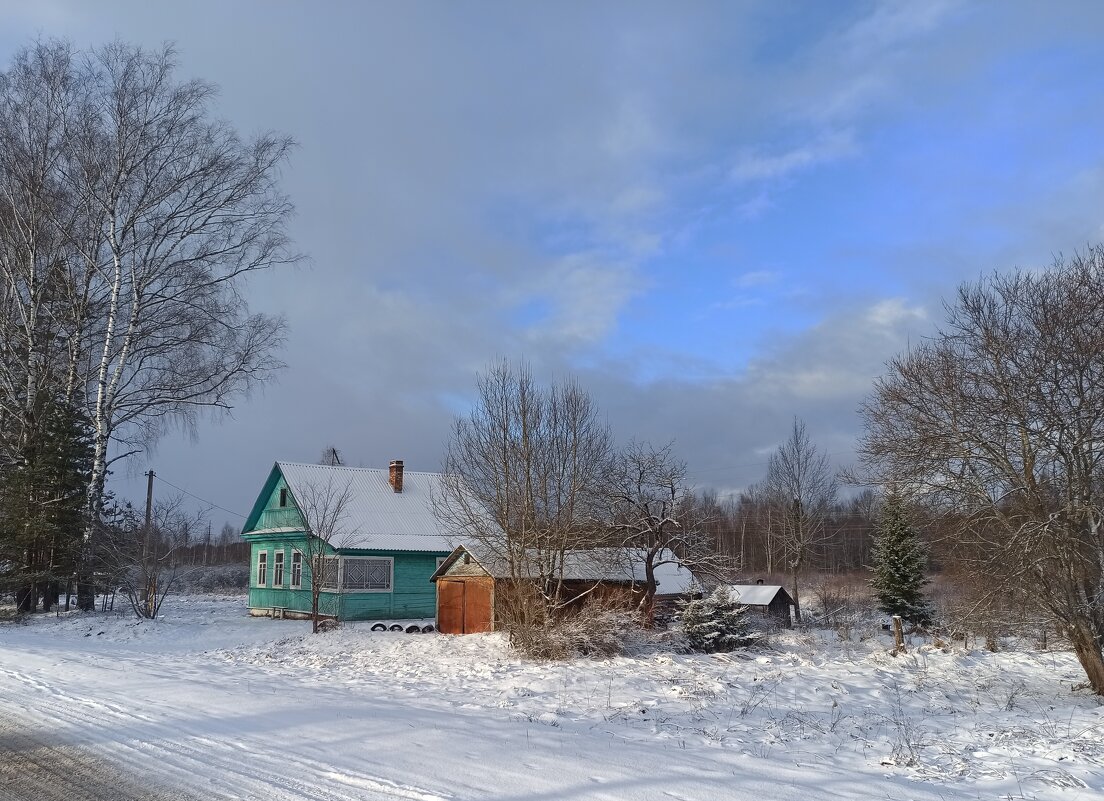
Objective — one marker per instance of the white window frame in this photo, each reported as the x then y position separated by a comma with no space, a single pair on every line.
440,561
262,569
332,578
390,560
296,569
278,569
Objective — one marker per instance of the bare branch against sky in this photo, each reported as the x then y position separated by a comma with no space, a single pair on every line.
717,218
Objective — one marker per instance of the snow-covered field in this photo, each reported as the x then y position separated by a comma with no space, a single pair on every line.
209,703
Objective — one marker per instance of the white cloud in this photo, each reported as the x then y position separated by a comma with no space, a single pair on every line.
755,278
586,295
753,166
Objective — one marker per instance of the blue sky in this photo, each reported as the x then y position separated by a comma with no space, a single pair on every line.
717,215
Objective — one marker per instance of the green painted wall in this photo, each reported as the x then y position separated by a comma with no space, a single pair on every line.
276,516
412,594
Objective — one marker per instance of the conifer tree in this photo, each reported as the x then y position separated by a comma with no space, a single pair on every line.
715,623
899,562
42,507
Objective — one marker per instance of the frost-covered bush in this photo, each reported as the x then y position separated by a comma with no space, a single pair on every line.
597,627
716,623
216,579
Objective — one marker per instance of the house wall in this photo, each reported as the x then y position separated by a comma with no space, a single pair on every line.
412,594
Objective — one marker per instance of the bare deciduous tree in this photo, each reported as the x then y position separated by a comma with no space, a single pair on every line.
525,476
653,509
324,507
802,488
998,421
139,560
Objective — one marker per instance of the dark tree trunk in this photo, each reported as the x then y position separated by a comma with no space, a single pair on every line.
1089,655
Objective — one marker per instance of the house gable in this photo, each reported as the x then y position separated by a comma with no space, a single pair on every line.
267,512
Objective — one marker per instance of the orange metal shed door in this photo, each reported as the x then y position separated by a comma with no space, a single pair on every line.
450,606
477,605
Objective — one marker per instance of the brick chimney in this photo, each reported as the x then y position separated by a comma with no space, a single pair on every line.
394,476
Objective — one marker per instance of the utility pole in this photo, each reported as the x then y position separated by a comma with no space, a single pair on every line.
151,575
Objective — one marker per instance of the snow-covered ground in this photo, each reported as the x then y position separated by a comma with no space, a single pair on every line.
207,702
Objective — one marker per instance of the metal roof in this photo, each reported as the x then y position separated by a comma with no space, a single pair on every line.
624,565
377,516
754,594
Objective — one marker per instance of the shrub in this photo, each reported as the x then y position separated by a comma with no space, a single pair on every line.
597,627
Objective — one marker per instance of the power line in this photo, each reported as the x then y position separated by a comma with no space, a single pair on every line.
193,495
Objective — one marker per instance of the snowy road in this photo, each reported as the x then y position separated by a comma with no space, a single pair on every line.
211,704
36,765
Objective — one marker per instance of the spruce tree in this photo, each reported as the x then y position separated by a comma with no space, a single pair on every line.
715,622
42,508
899,562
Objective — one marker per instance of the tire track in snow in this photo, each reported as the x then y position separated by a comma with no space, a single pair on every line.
181,756
37,767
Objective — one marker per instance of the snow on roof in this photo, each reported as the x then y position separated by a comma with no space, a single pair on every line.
598,564
754,594
379,517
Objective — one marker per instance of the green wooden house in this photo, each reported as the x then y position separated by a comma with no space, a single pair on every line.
380,565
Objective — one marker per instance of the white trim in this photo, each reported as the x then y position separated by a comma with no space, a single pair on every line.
278,559
261,575
296,585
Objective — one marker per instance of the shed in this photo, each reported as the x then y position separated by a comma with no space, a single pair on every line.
767,599
470,580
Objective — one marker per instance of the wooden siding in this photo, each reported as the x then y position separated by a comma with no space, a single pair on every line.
275,516
459,568
412,594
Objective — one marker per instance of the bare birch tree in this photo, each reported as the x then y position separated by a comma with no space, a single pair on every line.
324,507
998,422
802,488
130,218
525,477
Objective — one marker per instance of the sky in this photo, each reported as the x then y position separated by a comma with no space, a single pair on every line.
716,216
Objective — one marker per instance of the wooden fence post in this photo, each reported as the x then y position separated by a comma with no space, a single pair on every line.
898,635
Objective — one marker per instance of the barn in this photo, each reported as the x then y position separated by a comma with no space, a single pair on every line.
770,600
471,580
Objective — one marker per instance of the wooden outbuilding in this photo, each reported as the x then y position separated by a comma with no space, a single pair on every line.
770,600
471,582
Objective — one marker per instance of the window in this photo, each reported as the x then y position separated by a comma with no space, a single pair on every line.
283,496
367,574
356,573
329,568
296,570
262,569
278,570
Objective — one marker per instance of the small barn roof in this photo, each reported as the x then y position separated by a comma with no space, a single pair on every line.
621,565
378,518
756,594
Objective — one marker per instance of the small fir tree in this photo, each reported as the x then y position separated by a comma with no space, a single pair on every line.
715,623
899,562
